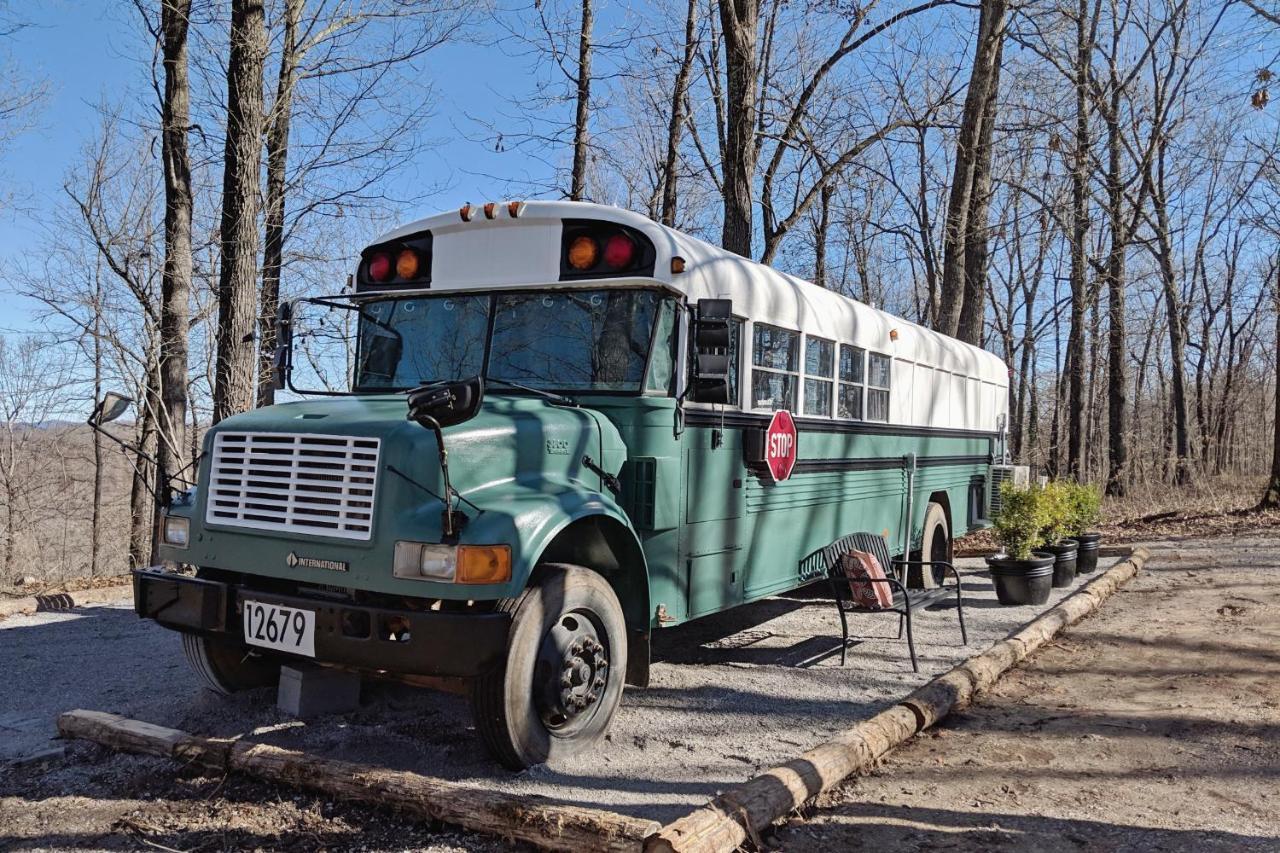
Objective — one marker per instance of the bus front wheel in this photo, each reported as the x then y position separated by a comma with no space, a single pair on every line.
561,681
227,667
935,544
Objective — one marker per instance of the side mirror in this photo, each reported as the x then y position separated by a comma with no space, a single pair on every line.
112,406
282,358
443,404
711,356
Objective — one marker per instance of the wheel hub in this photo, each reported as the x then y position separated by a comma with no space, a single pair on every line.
573,667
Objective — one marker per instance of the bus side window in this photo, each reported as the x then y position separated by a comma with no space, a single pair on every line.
878,370
775,372
852,376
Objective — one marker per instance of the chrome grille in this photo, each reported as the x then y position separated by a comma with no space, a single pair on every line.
296,483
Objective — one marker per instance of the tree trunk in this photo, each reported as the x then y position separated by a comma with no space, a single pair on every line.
237,304
142,504
676,127
970,183
175,288
740,22
820,237
578,189
1117,382
1079,258
277,167
1181,473
95,530
976,248
1271,497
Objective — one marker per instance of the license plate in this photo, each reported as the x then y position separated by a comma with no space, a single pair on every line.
285,629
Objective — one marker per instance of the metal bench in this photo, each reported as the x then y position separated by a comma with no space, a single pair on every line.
826,561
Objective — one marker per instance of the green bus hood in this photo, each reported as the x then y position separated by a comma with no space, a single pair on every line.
518,465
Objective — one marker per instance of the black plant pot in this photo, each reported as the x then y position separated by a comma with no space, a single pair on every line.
1022,581
1087,556
1064,567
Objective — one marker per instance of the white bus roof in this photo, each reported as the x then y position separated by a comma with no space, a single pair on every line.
507,252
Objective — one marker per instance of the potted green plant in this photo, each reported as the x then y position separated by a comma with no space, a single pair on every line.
1086,510
1021,574
1057,527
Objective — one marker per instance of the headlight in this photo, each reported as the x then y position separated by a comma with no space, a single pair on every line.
177,531
420,561
474,564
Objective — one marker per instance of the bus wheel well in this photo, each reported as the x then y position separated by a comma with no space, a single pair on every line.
608,547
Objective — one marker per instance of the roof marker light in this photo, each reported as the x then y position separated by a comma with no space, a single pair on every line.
490,210
514,209
677,264
465,212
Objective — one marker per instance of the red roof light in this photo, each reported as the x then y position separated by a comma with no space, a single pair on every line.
619,252
380,267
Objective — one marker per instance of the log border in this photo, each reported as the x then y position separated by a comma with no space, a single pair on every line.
532,819
739,814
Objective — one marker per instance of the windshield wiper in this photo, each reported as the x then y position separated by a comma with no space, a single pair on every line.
558,399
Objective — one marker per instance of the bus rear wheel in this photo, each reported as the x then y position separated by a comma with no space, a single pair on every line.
561,682
227,667
935,544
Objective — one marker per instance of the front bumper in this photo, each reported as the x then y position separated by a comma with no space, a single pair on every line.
439,644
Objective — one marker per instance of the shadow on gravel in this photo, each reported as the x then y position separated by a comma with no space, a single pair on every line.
872,826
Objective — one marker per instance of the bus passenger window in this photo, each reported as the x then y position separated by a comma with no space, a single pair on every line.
819,356
851,379
878,370
775,355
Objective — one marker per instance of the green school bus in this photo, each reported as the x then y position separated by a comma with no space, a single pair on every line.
560,429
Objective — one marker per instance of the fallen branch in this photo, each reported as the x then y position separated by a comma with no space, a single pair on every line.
742,812
525,818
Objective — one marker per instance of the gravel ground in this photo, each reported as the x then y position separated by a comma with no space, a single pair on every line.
1152,725
730,695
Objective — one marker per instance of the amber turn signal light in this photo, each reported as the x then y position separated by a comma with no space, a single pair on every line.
407,264
484,564
583,253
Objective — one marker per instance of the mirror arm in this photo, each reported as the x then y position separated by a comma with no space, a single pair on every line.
164,497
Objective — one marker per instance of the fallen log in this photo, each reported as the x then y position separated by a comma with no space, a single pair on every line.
739,814
536,820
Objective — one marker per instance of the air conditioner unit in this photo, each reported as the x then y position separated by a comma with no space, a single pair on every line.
1019,475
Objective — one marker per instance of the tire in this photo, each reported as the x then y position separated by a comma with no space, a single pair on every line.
935,544
227,667
568,645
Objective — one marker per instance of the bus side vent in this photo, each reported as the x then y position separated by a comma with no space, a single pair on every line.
644,473
1019,475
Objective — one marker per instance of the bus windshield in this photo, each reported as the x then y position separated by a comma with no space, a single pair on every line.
553,340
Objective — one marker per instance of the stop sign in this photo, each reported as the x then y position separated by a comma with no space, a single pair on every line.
781,445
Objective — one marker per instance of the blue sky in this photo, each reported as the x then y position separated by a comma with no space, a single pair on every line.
91,51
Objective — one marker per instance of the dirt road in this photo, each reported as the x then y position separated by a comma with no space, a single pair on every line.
1153,725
